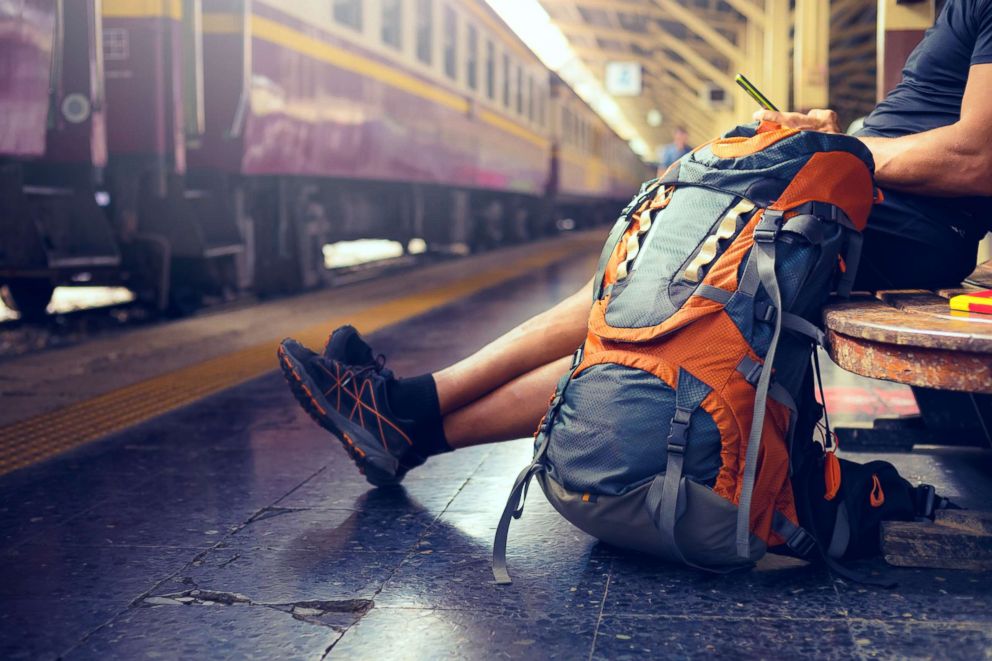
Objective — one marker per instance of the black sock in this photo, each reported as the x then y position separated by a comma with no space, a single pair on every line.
415,399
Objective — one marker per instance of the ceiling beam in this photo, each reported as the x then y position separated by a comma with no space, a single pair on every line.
694,23
694,59
717,19
650,63
749,10
841,10
656,39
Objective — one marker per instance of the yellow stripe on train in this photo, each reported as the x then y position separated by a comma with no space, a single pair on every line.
143,9
300,42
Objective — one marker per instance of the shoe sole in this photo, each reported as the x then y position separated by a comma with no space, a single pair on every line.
379,467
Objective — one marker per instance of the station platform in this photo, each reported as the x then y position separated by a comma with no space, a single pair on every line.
164,496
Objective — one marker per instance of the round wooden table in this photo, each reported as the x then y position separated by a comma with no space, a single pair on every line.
912,337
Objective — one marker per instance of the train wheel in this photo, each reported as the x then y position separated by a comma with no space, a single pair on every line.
28,297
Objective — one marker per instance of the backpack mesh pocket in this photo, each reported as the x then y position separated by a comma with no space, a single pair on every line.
611,433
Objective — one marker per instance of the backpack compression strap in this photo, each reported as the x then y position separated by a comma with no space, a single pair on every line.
763,254
663,494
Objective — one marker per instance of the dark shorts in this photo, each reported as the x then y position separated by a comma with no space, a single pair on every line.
910,244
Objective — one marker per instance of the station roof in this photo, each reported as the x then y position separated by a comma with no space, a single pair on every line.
690,51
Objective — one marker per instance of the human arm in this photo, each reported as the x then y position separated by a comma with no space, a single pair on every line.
952,160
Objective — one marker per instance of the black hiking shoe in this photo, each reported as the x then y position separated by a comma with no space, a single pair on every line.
350,402
346,345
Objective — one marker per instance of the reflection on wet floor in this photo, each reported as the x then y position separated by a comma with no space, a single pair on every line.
235,527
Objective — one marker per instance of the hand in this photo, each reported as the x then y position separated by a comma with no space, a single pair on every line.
824,121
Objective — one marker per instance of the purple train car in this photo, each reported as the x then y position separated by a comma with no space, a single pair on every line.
52,146
179,232
423,119
232,140
594,168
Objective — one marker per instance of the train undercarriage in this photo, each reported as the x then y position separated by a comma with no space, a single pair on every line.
177,242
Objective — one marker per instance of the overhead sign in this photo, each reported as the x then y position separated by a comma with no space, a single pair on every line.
623,78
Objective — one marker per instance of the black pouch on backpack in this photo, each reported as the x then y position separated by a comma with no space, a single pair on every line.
848,525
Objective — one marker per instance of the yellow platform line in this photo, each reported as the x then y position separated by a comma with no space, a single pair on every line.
43,436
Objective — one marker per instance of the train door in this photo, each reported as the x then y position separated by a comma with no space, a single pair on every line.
54,231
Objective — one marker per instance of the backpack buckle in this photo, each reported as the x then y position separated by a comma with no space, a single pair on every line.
765,312
576,358
769,226
926,501
801,542
676,433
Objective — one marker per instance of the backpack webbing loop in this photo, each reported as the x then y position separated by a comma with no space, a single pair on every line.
514,508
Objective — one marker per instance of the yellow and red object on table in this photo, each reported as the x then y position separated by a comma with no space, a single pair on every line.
979,301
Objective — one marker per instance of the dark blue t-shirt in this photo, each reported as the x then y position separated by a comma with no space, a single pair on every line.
933,83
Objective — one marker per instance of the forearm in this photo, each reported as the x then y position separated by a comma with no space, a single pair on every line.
946,161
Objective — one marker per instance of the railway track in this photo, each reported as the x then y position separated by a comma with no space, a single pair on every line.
66,328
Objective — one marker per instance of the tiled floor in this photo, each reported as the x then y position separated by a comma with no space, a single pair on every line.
235,528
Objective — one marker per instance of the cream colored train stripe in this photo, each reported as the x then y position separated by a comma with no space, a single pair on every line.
46,435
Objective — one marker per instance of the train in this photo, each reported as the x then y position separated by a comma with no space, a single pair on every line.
196,148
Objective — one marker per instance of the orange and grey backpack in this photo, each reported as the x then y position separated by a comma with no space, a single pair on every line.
672,432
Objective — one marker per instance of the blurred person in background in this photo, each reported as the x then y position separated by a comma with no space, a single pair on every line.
673,151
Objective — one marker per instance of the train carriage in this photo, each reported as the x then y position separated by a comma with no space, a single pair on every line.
400,120
594,168
229,141
52,147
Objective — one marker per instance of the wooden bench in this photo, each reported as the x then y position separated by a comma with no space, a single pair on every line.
913,337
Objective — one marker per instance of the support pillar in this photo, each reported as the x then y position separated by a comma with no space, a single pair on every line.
900,28
811,55
753,68
776,76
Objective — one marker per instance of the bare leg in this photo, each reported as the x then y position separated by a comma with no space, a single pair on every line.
533,344
511,411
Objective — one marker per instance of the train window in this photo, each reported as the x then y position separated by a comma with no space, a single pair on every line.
450,38
348,12
490,69
425,31
472,58
520,90
530,98
541,108
506,80
392,23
